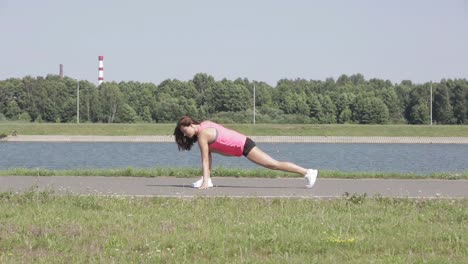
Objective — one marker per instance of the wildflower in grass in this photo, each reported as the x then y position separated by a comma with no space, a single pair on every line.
339,240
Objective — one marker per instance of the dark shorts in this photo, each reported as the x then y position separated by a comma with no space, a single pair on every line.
248,146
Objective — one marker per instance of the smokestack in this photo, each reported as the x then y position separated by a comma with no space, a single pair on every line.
61,71
101,70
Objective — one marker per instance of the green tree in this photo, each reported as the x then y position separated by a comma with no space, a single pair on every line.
316,110
31,100
414,110
68,113
329,110
460,102
227,96
146,114
204,83
378,84
301,106
403,91
263,94
39,119
12,110
343,102
345,116
51,96
292,100
343,80
286,102
442,109
111,100
89,98
140,98
176,88
168,109
357,79
419,114
10,90
24,117
96,107
127,114
390,98
371,110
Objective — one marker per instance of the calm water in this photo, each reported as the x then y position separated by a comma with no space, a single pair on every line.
408,158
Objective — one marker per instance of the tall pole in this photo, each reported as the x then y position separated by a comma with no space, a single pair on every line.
431,104
101,70
254,104
78,102
61,71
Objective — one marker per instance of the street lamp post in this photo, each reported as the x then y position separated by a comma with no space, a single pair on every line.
78,102
431,103
254,104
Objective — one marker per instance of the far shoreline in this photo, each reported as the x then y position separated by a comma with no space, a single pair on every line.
259,139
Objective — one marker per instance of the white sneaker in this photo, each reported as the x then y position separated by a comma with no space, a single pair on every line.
311,177
199,183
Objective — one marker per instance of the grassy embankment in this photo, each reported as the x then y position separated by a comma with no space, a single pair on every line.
225,172
253,130
259,129
39,227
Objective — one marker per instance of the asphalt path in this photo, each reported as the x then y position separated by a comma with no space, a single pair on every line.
235,187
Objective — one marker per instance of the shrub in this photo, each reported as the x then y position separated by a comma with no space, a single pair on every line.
25,117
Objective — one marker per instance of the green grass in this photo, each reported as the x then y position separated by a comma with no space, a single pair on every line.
40,227
252,130
223,172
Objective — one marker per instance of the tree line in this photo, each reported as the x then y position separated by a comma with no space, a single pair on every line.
349,99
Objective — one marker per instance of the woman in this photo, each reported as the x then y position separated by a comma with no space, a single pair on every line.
214,138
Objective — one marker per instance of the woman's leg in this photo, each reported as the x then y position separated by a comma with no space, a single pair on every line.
261,158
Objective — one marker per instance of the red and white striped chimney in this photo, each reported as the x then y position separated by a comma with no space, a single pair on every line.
101,70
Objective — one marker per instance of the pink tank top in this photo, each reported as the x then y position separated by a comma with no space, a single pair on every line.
227,141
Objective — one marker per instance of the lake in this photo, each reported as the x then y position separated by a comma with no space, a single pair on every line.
400,158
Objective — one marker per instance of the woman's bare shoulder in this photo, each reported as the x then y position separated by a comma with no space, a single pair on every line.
208,134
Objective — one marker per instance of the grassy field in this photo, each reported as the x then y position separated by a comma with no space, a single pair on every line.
225,172
39,227
7,128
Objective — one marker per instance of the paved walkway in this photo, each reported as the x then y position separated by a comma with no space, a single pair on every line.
260,139
236,187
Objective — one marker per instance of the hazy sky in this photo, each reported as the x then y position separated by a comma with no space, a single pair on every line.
263,40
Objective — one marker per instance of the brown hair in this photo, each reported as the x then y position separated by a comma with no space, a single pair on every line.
183,142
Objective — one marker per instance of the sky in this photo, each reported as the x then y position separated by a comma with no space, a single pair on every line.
262,40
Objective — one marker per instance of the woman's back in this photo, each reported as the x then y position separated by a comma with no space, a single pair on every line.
226,141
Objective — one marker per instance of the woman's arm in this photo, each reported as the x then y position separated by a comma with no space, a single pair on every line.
211,162
205,158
